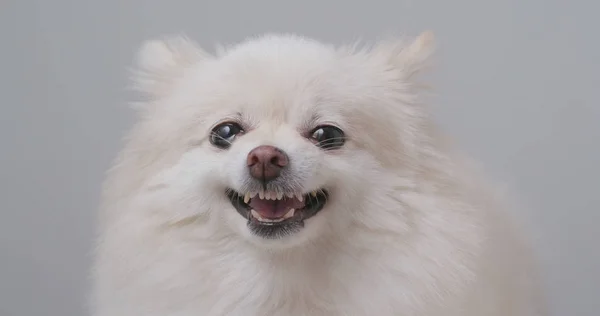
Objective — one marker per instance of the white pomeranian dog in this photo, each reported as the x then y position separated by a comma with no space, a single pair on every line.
288,177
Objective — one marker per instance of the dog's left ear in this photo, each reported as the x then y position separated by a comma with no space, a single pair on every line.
411,58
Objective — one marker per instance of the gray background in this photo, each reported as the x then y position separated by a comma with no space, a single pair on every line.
516,84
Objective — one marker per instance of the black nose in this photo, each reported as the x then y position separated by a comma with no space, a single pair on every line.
266,162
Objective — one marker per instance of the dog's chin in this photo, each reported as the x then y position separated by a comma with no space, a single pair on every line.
277,217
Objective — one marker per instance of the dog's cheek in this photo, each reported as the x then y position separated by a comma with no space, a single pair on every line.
351,166
310,169
351,175
188,188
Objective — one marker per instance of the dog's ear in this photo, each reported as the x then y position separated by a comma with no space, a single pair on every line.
411,58
160,62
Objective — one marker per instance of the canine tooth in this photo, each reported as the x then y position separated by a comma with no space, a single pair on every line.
247,198
289,214
299,197
255,214
313,193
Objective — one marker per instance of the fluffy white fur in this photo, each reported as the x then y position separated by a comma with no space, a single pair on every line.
408,230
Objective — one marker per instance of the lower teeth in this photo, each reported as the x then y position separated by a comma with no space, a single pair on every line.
261,219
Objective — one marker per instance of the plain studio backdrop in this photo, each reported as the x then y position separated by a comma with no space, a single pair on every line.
516,85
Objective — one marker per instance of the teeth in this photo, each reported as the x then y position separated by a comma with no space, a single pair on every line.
268,220
257,216
268,195
289,214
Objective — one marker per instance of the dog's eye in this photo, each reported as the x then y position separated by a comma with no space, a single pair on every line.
223,134
328,137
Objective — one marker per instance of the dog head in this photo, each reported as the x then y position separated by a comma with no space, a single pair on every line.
278,140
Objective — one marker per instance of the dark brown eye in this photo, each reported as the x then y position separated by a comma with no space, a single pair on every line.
328,137
224,134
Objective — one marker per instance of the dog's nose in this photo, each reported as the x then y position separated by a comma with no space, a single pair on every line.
266,162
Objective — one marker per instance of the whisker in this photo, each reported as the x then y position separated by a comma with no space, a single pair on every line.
220,137
324,194
333,141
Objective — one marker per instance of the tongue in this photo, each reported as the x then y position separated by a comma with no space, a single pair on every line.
274,208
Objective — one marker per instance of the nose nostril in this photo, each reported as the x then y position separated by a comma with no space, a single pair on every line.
253,160
281,161
265,162
276,161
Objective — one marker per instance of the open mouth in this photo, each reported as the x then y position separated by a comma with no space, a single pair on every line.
277,214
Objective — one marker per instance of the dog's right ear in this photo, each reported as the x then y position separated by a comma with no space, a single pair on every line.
161,62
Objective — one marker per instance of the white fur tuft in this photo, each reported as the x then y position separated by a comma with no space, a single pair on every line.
161,61
410,58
